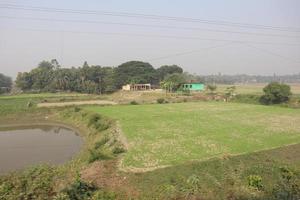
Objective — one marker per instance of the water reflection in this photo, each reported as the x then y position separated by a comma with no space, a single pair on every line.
22,146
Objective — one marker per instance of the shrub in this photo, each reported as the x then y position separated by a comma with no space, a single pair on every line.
99,123
276,93
34,183
79,190
160,100
134,103
247,98
102,142
94,118
211,88
288,187
97,154
77,109
29,104
118,150
255,181
192,187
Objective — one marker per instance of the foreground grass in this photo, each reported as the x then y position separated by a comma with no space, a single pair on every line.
170,134
227,178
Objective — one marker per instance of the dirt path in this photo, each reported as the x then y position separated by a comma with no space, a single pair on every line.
73,103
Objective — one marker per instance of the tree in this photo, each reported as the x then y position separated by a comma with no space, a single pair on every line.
164,70
42,76
275,93
135,72
24,81
229,92
211,88
192,77
5,83
172,82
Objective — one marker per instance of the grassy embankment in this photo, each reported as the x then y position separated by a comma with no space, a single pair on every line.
47,182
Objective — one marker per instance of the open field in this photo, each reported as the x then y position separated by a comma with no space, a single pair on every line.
255,88
76,103
169,134
183,142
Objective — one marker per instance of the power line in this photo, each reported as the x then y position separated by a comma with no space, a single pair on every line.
273,54
190,52
148,16
159,36
151,26
223,45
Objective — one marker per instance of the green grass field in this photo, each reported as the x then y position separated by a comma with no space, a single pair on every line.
170,134
255,88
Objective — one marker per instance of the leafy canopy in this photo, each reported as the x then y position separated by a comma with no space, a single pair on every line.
276,93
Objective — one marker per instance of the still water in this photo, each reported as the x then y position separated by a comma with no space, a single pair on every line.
29,145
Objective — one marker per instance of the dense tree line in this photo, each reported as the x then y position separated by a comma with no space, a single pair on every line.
5,83
50,76
245,79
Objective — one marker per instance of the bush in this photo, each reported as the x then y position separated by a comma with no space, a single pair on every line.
97,154
29,104
160,100
276,93
93,119
34,183
288,187
212,88
255,181
134,103
96,121
247,98
102,142
77,109
79,190
118,150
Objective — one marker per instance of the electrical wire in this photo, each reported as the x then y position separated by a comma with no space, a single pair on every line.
151,26
148,16
156,36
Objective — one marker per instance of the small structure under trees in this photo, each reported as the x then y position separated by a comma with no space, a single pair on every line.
196,87
136,87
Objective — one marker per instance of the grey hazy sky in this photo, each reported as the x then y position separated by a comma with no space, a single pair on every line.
28,37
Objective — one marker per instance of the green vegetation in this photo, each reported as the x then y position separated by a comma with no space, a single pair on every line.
276,93
160,100
183,150
227,177
172,82
5,83
44,182
212,88
50,76
168,134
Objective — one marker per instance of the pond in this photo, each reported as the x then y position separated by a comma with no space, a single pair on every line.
23,146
